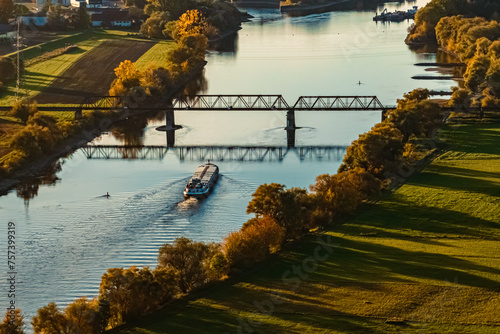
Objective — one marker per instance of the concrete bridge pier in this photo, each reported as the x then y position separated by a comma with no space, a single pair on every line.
290,119
170,120
170,138
290,138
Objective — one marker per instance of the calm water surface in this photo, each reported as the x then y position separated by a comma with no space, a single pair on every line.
69,235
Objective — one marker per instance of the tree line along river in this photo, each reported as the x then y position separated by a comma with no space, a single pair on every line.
69,234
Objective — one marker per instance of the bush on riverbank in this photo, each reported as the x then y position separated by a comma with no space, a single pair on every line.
8,71
281,215
168,19
427,17
134,292
13,323
474,41
82,316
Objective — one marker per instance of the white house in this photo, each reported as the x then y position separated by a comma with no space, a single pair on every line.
87,3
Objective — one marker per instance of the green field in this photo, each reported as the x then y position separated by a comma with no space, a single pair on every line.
157,56
427,255
41,75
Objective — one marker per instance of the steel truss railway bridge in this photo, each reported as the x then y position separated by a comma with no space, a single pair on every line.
224,102
216,153
130,105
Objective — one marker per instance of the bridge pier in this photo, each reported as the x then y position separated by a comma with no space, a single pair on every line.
290,119
384,114
170,138
170,120
78,114
290,138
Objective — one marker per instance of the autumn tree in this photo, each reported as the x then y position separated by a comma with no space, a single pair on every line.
288,207
6,10
173,8
189,52
415,115
133,292
13,322
8,70
24,110
49,320
376,151
153,27
157,80
82,316
127,78
258,238
54,17
189,259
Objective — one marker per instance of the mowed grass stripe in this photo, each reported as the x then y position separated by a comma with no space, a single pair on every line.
427,253
41,75
157,56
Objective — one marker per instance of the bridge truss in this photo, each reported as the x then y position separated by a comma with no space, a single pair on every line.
215,153
240,102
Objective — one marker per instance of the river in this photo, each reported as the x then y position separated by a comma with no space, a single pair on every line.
68,234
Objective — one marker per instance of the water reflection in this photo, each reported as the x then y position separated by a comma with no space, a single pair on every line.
28,189
227,45
197,85
131,130
215,152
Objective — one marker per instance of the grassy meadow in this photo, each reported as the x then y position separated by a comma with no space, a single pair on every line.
157,56
426,258
42,74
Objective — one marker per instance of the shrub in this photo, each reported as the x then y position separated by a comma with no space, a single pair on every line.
376,151
33,140
415,117
24,110
8,69
257,238
190,260
154,25
14,160
12,327
290,208
134,292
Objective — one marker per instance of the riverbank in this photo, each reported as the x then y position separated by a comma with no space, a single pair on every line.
422,259
306,9
69,145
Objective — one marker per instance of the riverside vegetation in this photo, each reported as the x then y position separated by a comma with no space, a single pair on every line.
285,215
281,216
27,135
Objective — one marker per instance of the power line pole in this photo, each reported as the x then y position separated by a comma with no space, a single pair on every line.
18,47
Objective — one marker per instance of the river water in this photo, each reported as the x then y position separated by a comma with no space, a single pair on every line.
68,234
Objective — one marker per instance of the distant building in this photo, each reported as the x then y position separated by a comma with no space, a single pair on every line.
7,31
66,3
38,20
111,17
87,3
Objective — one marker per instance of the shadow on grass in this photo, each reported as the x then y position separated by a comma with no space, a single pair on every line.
400,218
436,177
476,138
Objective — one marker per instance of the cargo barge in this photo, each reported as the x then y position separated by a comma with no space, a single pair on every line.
203,181
397,16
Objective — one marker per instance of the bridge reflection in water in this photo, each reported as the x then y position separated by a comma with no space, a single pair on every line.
216,153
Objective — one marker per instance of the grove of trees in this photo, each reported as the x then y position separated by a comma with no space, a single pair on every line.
428,17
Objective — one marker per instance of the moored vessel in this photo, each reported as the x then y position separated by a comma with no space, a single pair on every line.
203,181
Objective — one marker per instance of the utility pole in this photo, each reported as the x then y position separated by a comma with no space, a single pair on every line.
18,47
